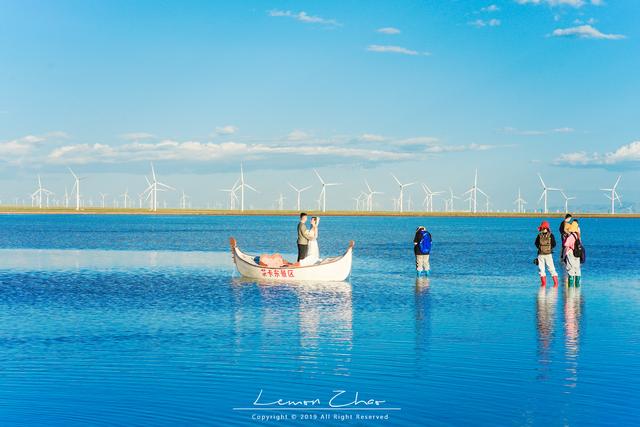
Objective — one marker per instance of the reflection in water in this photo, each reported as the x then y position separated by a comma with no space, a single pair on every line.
573,305
423,320
545,320
325,320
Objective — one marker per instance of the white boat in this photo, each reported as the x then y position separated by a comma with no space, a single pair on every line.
334,269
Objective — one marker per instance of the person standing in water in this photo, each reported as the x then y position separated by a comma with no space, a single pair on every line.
573,251
422,251
545,242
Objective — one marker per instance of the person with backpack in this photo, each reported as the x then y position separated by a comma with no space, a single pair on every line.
422,250
573,253
545,242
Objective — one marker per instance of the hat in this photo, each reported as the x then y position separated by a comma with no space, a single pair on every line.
543,225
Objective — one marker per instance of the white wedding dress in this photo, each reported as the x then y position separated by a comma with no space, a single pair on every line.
313,253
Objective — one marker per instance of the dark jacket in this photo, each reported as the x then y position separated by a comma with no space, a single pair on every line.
553,242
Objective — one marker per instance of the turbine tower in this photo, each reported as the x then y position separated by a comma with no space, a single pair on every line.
323,192
566,201
183,200
153,188
520,202
368,201
241,187
545,193
473,194
298,192
76,188
613,196
125,196
402,187
103,196
39,193
428,198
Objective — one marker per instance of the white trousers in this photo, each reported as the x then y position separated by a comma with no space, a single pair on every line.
422,263
546,260
572,264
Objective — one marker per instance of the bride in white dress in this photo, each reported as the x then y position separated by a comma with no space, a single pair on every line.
313,251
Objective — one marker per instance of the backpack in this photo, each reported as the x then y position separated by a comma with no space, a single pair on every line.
578,250
425,243
545,243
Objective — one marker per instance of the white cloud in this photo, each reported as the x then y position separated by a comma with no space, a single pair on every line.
585,32
417,140
479,23
388,30
226,130
514,131
394,49
303,17
136,136
626,154
490,8
298,135
370,137
553,3
16,150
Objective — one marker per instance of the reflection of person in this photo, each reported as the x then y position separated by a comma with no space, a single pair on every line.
572,262
422,251
313,251
545,316
304,235
545,242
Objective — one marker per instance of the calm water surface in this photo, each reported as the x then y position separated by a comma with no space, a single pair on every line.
140,320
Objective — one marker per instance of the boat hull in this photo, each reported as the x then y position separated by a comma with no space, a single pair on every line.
336,269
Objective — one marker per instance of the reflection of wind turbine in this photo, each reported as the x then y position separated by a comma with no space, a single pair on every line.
40,192
76,188
473,194
545,192
369,196
298,191
402,187
154,187
241,187
566,201
520,202
323,192
613,196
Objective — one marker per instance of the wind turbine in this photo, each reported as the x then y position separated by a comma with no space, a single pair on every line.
233,197
154,187
298,191
323,192
545,192
613,196
125,196
40,191
428,199
241,187
76,188
369,196
183,200
450,200
566,201
520,202
103,195
473,194
280,201
402,187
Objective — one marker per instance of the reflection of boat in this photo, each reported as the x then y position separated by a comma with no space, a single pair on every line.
335,269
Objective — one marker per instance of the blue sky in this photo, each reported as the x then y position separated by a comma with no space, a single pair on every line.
428,90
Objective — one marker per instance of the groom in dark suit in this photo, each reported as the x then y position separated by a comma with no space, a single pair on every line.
303,237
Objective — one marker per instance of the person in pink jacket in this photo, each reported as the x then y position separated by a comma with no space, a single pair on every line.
572,262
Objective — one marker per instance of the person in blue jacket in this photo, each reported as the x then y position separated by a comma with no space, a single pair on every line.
422,250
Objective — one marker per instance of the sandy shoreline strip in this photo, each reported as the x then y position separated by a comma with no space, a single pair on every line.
205,212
